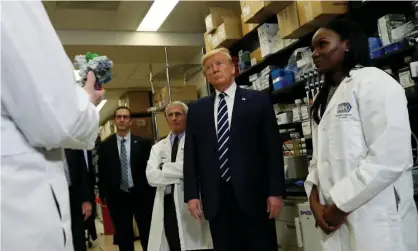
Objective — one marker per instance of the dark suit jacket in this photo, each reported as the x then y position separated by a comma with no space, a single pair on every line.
255,153
80,181
110,168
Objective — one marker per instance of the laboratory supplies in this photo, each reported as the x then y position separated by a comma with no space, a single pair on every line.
281,78
296,167
387,24
244,60
374,47
405,77
284,118
296,111
295,136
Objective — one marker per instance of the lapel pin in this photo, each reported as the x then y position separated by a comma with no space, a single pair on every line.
243,99
135,141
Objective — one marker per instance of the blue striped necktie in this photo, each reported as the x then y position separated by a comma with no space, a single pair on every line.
223,138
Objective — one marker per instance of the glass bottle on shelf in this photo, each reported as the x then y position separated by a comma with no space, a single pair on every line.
413,65
295,136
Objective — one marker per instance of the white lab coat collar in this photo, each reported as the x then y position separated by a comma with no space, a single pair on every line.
167,143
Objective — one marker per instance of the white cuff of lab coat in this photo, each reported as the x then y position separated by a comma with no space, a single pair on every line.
312,178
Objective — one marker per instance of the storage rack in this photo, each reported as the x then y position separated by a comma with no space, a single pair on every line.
366,13
153,113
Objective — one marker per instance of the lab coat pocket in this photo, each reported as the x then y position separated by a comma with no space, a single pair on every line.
335,134
344,137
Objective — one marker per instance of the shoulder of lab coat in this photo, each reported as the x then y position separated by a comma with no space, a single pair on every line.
39,91
313,177
385,122
155,176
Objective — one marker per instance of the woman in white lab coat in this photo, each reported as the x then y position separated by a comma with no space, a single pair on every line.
360,183
194,234
42,111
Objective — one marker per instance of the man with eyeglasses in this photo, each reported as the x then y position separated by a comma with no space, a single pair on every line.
172,227
123,184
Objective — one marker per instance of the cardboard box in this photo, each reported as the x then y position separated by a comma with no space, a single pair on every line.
136,101
268,38
162,126
258,11
288,20
183,93
254,12
256,56
214,19
208,42
109,129
303,17
102,133
215,40
276,6
317,13
247,27
143,127
228,32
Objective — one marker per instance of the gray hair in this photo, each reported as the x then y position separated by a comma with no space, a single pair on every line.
177,103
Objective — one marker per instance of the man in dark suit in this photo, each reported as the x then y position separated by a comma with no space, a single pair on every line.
80,194
233,161
122,181
91,171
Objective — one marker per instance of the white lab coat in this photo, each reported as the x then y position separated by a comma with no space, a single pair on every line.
362,157
194,234
43,111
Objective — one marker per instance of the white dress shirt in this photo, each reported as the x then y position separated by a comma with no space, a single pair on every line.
128,155
229,99
86,158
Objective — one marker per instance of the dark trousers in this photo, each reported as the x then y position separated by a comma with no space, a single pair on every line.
234,229
123,207
77,222
91,227
170,223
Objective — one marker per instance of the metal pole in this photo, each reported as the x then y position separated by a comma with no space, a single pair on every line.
184,75
153,115
154,120
151,79
168,75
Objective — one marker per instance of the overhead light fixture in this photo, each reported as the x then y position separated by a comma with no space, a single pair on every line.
157,14
101,104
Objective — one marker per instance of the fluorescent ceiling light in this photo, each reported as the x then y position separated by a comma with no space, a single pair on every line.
102,103
156,15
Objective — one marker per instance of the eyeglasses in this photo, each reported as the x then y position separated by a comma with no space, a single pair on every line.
122,116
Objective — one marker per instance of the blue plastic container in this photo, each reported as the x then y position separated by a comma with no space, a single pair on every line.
374,47
282,78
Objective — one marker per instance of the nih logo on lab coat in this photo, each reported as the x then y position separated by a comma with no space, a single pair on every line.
344,110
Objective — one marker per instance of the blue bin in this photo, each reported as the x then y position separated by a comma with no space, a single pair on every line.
375,45
282,78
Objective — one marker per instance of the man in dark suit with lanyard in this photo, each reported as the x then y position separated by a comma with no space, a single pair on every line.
122,181
233,161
